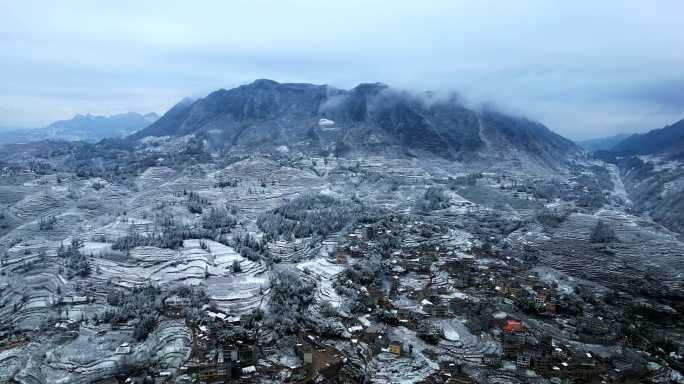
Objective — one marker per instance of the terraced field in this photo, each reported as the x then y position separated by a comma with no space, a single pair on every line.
641,252
99,210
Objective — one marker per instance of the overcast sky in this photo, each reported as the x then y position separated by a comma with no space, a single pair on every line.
584,69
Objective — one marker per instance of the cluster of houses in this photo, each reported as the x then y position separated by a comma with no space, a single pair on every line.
482,292
440,282
213,362
67,330
356,245
375,339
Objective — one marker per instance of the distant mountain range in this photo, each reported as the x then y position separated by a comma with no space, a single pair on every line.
667,139
370,118
603,143
83,128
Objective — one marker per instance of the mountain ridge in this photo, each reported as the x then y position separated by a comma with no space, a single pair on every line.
602,143
89,128
369,117
652,142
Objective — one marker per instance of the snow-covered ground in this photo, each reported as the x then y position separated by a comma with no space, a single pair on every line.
34,283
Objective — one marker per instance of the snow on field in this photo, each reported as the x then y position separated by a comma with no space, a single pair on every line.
174,342
324,271
118,227
10,362
450,333
157,173
457,199
415,281
459,343
91,355
219,257
190,264
237,294
320,267
38,204
90,247
234,288
399,369
286,360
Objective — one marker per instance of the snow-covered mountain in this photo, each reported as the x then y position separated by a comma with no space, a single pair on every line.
87,128
370,118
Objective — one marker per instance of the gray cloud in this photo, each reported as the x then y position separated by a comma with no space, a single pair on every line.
667,93
585,69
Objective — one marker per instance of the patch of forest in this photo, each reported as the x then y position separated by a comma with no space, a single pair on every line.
316,215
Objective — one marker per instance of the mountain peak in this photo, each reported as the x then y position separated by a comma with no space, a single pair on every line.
78,116
264,83
370,88
266,114
186,100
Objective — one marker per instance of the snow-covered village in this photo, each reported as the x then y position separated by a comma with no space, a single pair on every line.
341,192
266,269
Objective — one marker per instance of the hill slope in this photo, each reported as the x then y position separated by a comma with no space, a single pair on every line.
652,142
